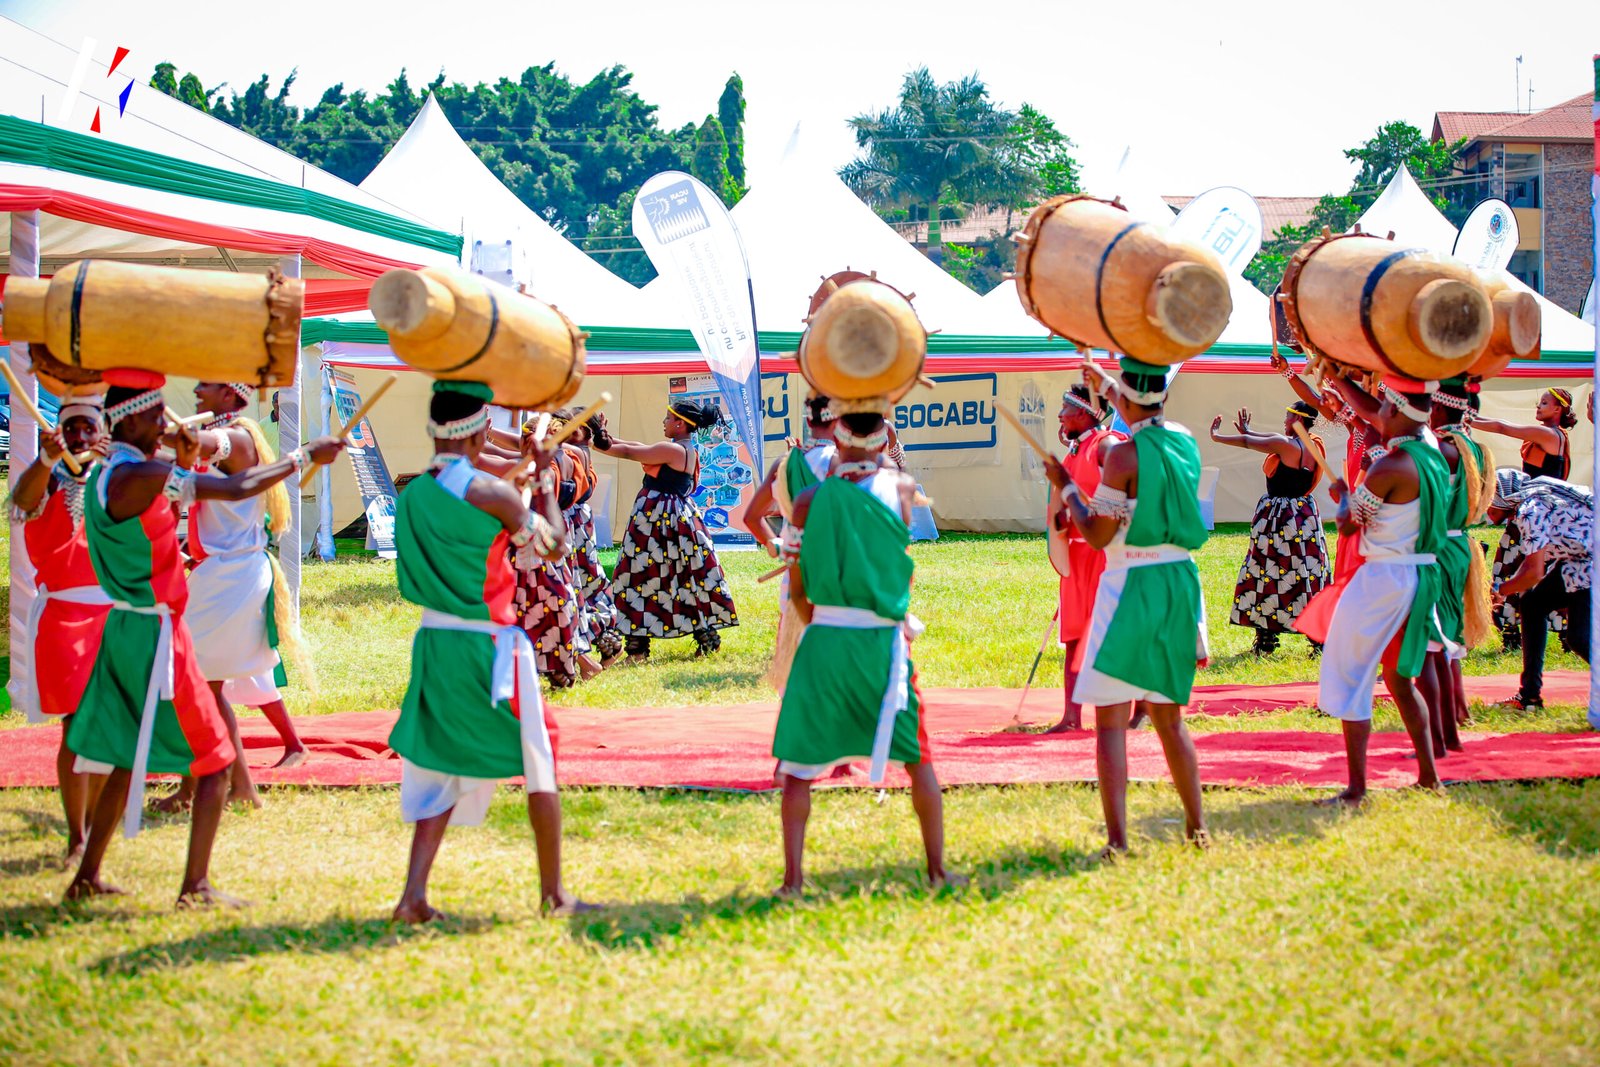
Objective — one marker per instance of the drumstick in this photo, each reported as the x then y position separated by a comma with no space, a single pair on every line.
17,391
1316,453
1016,424
767,577
186,420
355,420
576,422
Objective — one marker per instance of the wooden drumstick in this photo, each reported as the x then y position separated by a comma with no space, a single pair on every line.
186,420
355,420
1032,441
767,577
17,391
1316,453
576,422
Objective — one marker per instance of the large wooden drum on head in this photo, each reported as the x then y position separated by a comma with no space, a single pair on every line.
1517,330
1098,277
1369,303
863,341
211,325
456,326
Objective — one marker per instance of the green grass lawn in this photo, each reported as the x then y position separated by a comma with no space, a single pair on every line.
1455,928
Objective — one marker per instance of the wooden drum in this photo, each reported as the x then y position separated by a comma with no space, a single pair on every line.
456,326
1093,274
1366,302
863,341
210,325
1517,326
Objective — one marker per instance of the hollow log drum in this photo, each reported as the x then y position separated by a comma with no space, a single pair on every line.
1517,328
1092,273
863,340
211,325
1364,301
456,326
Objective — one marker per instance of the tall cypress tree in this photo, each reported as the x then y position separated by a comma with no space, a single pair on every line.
730,112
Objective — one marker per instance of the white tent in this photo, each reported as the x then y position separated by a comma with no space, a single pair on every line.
433,173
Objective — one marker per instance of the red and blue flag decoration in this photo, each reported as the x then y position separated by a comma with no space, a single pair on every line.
122,97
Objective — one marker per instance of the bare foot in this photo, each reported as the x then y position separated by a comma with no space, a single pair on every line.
1350,798
416,912
203,896
565,905
1200,839
292,757
946,880
1113,853
85,888
1434,786
174,803
789,892
74,855
1067,726
242,798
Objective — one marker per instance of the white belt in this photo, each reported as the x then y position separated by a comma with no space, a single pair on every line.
1413,559
515,678
1455,533
1124,557
159,687
896,694
77,594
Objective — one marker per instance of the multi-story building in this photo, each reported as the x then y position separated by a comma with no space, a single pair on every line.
1539,163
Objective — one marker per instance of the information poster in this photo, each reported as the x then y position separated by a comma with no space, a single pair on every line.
372,473
727,480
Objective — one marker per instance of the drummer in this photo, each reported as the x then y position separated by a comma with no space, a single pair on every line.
1082,430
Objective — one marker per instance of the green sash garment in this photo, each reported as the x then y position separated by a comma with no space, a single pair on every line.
854,555
449,720
1433,486
1153,635
1454,554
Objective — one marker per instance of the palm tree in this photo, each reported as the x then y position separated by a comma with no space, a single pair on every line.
940,143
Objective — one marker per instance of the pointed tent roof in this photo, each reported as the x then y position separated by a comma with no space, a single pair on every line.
432,172
803,224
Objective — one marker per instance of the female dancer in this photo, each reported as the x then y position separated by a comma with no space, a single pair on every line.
547,605
1545,452
668,581
588,578
1287,562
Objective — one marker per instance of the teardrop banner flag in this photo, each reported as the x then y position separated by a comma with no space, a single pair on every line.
1225,221
694,244
1489,237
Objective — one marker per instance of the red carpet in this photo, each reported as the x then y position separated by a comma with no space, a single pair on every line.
729,747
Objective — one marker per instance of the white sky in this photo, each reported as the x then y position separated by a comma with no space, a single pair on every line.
1259,95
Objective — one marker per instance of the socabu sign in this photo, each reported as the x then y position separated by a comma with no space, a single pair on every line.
952,424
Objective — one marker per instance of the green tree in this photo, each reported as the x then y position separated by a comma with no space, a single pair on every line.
940,144
710,160
730,112
1392,146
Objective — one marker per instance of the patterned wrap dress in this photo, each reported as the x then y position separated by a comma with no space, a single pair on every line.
472,713
147,707
668,581
1508,554
69,609
1287,561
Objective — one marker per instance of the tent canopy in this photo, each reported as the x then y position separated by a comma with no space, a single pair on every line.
434,174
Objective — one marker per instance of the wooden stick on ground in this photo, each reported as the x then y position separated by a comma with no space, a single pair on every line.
16,390
355,420
1316,453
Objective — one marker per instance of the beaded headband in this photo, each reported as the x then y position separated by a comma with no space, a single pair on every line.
871,442
245,390
460,429
150,398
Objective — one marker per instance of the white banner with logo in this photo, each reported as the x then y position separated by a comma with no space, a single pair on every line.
953,424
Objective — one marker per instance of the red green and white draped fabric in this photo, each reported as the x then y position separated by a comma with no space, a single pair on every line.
146,707
851,693
472,712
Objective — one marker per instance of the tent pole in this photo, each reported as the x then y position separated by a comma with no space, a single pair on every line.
24,263
1594,537
289,439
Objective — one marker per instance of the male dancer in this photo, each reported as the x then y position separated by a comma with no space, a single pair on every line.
852,694
237,613
69,608
796,471
1088,442
147,708
1148,630
1387,615
472,712
1471,483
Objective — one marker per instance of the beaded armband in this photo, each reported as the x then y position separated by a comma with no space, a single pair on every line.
224,447
1109,502
1364,505
789,545
179,487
